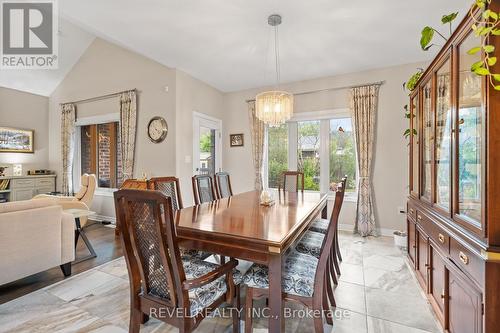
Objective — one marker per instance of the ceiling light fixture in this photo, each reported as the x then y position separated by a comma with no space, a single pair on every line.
274,107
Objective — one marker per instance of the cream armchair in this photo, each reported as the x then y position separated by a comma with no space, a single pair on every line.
81,200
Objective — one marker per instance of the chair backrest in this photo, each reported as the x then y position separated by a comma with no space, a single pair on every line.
223,185
328,241
203,189
151,247
169,186
88,184
290,181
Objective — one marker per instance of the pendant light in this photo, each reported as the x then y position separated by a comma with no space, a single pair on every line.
274,107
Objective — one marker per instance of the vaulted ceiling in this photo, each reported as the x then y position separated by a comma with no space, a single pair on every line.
228,44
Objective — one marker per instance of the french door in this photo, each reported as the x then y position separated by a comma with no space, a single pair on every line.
206,144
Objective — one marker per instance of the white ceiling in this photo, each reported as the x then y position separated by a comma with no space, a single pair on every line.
228,44
73,42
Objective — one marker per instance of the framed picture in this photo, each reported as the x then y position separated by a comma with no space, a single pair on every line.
236,140
14,140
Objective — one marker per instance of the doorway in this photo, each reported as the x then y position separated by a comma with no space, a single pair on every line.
207,152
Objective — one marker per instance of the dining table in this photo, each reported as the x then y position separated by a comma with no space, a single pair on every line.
241,227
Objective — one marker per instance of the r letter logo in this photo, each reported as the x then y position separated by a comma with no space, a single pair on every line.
29,34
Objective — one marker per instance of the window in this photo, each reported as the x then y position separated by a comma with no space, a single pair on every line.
277,138
99,153
320,144
308,156
342,152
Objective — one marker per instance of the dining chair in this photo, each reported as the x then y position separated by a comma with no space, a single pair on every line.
223,185
203,189
311,244
164,285
321,226
304,277
290,181
169,186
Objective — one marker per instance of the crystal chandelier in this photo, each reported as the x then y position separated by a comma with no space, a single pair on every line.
274,107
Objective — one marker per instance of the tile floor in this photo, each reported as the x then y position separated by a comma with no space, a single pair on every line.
377,293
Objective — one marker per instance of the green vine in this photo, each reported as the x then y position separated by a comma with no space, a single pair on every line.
485,26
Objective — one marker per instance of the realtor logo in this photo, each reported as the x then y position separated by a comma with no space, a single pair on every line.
29,34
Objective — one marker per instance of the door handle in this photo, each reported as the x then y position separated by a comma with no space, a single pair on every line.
441,238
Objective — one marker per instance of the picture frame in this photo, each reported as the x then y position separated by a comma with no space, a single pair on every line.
236,140
16,140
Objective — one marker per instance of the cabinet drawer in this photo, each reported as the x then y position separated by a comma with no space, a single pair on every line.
412,211
45,182
22,194
467,260
23,183
44,190
439,236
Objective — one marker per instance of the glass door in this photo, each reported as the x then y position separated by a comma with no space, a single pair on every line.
443,136
427,141
414,144
207,147
469,167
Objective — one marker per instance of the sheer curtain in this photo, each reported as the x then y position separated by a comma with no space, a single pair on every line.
68,132
128,124
257,131
364,105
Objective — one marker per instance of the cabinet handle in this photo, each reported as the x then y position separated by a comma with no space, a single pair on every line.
463,258
443,296
411,211
441,238
419,217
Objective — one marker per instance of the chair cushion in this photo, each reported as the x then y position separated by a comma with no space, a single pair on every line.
203,296
320,225
298,275
310,244
191,253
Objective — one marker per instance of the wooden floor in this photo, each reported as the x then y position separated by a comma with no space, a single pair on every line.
105,244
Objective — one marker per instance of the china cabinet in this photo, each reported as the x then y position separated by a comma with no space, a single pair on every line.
453,213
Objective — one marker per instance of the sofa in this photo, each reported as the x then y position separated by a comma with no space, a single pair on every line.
35,235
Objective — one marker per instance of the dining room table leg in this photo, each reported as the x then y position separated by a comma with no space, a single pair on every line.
276,302
324,211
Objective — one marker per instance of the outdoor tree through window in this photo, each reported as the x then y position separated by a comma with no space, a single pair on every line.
308,158
342,152
277,153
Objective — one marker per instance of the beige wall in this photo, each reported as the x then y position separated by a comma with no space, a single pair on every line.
27,111
390,163
106,68
192,95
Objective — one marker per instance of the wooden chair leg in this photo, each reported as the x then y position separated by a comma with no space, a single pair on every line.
326,306
248,310
329,289
135,320
336,263
331,269
236,311
317,307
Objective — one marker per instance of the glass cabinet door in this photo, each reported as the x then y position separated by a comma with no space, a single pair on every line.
443,136
426,140
414,112
470,128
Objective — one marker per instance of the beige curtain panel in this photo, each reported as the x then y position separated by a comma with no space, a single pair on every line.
128,128
364,104
68,130
257,131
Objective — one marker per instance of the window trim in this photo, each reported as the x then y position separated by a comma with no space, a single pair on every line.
77,159
324,116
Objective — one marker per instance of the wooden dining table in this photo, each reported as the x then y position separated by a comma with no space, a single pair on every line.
240,227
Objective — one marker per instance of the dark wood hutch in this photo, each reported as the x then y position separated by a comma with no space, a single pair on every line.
454,203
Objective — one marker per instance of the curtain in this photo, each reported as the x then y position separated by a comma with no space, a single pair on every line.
364,104
68,130
257,131
128,124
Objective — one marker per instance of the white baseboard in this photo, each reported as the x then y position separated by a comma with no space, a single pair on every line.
380,231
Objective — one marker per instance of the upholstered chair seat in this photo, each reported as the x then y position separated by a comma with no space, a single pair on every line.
310,244
297,279
319,225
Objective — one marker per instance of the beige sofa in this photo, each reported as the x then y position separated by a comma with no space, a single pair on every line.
35,235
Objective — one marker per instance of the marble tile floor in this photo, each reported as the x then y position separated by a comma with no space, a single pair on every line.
377,293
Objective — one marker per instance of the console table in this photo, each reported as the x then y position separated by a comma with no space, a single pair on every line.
26,187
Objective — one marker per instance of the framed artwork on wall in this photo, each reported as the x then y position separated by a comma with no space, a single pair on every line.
14,140
236,140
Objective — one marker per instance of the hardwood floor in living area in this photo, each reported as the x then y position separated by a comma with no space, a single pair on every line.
105,244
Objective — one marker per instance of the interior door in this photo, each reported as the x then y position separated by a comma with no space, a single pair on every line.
206,145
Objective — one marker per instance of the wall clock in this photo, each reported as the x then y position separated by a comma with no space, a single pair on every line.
157,129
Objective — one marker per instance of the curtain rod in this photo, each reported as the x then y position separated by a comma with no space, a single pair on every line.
98,98
378,83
